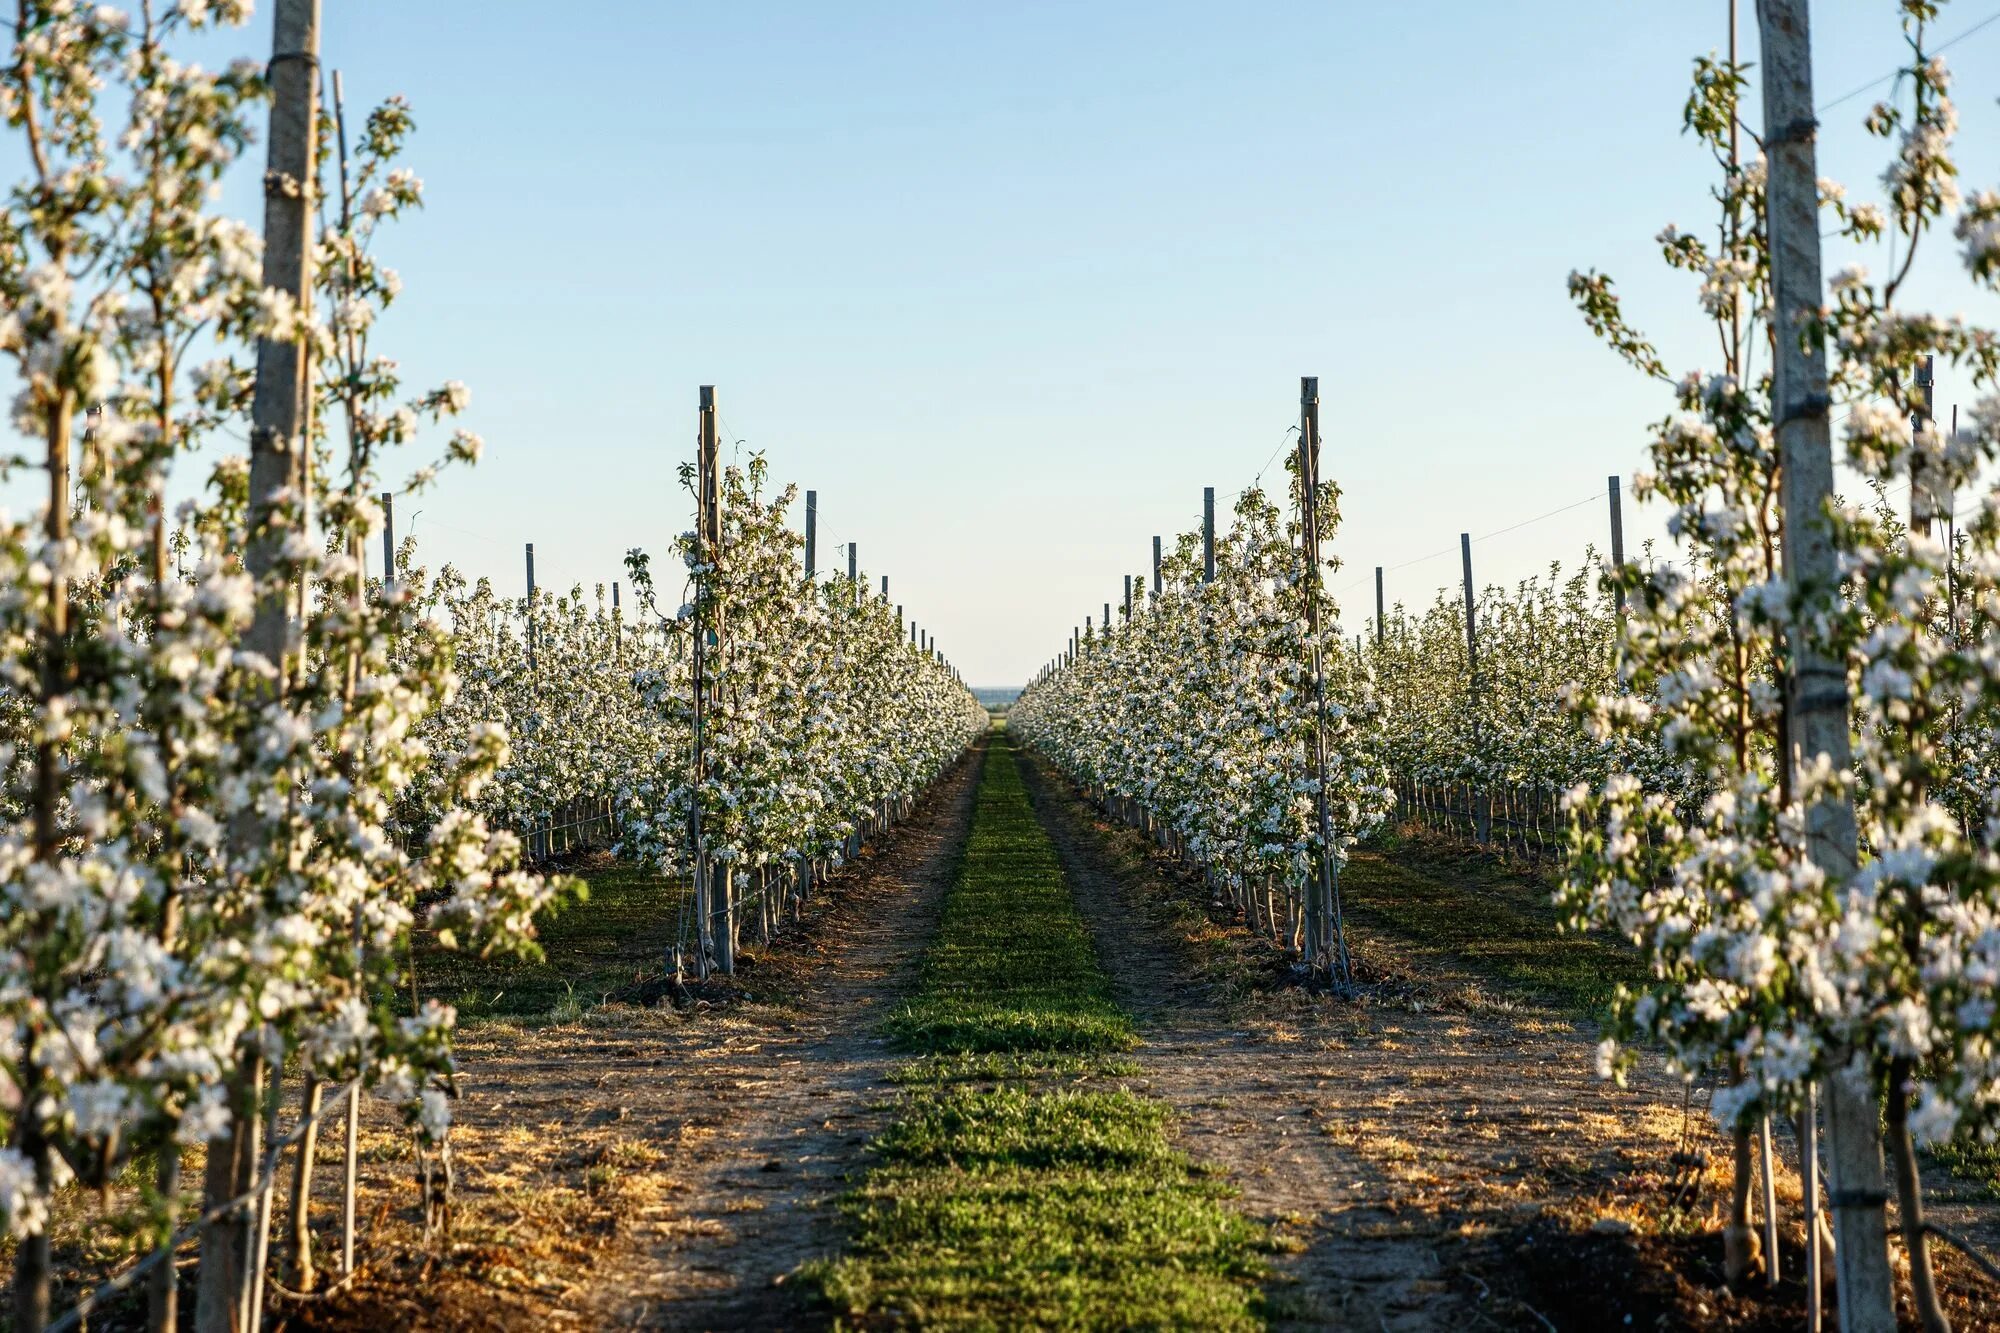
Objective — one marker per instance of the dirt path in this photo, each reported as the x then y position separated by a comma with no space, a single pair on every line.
1385,1143
646,1168
785,1127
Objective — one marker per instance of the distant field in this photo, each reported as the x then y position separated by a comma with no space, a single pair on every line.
997,698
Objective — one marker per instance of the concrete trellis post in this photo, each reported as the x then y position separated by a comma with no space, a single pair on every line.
277,417
1156,567
1816,701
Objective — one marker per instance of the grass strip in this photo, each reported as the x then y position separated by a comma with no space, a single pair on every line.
1013,968
590,951
1474,913
1010,1192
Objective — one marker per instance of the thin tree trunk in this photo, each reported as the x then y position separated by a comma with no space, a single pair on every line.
350,1178
163,1286
1740,1249
302,1182
1816,686
1910,1201
1768,1199
31,1259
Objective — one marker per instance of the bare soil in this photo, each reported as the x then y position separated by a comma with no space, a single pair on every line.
1435,1153
647,1167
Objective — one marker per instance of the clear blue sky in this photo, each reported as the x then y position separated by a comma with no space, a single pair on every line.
1008,284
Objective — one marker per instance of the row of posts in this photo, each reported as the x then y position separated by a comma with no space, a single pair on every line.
718,898
1324,942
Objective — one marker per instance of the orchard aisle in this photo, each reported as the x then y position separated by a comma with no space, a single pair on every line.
662,1169
786,1133
1403,1150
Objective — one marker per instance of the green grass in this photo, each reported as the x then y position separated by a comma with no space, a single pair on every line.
1002,1199
1470,913
623,933
1976,1163
1012,968
1003,1066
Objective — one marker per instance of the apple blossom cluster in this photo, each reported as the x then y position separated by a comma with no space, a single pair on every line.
1768,965
824,712
200,873
1198,708
1510,726
580,727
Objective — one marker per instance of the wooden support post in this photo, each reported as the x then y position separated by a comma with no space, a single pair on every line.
715,928
1817,704
812,533
1326,937
388,539
531,606
1617,536
1921,506
1482,808
1208,534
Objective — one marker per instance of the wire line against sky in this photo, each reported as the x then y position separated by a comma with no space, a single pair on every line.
1497,532
1879,80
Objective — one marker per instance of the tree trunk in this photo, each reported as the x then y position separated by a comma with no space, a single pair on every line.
163,1286
31,1259
302,1180
1740,1249
724,920
1910,1201
1816,686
